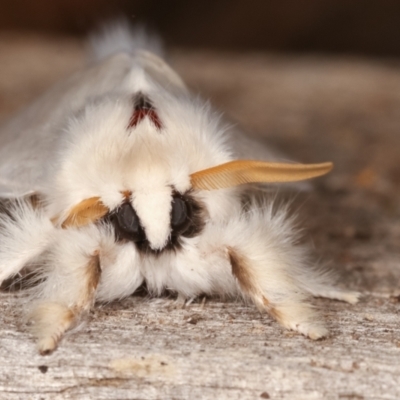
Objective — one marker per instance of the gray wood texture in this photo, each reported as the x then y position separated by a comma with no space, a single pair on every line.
313,109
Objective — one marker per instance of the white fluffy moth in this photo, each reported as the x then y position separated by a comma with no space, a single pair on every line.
119,176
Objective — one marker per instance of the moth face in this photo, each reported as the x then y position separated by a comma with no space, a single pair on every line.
132,158
142,220
154,168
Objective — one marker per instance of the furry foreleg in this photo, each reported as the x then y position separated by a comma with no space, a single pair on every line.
272,269
72,274
279,296
120,269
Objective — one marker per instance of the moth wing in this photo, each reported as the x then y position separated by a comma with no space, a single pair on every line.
10,191
161,72
28,141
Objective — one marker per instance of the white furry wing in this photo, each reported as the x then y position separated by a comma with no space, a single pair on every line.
28,142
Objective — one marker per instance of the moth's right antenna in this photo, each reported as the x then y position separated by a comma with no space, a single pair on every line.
238,172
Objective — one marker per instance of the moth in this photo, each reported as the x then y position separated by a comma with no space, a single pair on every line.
119,176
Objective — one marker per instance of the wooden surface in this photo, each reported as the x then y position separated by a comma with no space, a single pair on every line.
314,109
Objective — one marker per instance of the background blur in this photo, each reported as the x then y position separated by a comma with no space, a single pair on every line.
345,26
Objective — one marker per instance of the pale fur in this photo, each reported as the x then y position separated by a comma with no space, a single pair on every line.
91,152
24,236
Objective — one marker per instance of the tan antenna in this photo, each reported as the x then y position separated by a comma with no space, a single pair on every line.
85,212
238,172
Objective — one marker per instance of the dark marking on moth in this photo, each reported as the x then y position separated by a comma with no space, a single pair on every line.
93,272
9,206
126,223
241,270
36,200
26,278
196,220
193,226
6,207
143,108
197,215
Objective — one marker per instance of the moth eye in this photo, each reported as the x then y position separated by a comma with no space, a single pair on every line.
179,215
128,219
127,224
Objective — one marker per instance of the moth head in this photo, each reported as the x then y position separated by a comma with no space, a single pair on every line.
184,211
155,168
133,156
136,219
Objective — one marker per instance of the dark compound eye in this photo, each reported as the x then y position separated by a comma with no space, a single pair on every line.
127,219
179,215
127,224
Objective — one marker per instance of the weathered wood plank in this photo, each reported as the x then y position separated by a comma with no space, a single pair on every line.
152,349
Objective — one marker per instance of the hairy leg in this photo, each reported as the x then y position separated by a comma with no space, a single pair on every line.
120,264
272,269
71,276
282,300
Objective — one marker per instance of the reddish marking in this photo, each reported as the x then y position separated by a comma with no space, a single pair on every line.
143,109
141,113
